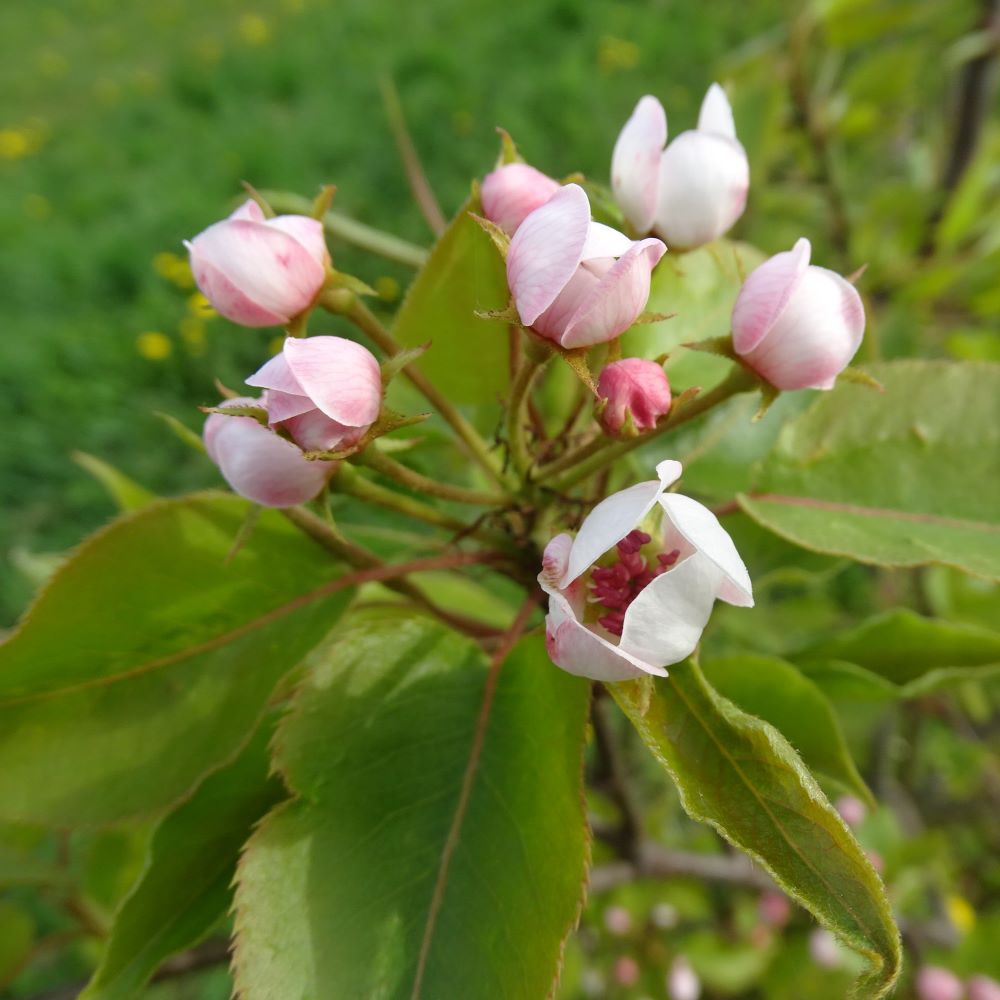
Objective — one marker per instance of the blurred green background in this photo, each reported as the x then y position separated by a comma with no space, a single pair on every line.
127,127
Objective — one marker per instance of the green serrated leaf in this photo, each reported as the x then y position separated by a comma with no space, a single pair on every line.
383,879
900,478
148,659
185,888
740,775
776,692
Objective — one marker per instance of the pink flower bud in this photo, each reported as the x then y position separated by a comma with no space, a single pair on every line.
324,392
935,983
257,271
851,809
775,909
795,324
637,386
512,192
682,981
575,281
618,920
983,988
626,971
260,465
823,949
694,190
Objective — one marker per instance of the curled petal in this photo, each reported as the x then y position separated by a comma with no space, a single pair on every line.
613,518
765,294
611,307
663,625
315,431
546,250
704,179
285,405
701,528
276,374
250,211
577,650
555,559
512,192
603,241
716,113
342,378
307,231
260,465
635,163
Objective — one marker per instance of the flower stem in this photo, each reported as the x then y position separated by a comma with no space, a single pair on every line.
367,322
590,459
520,391
357,233
405,476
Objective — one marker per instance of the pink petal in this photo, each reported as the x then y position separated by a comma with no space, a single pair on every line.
638,386
276,374
545,251
555,560
613,518
260,465
603,241
716,113
308,232
615,304
704,179
284,405
238,261
315,431
635,163
663,625
249,211
577,650
342,378
765,294
702,529
553,322
512,192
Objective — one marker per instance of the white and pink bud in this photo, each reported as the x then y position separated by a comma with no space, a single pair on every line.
633,387
797,325
824,950
693,191
575,281
512,192
983,988
935,983
257,271
852,810
645,607
259,464
617,920
323,392
682,981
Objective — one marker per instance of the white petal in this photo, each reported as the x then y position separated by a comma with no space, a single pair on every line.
716,113
577,650
603,241
555,559
663,625
613,518
702,529
635,163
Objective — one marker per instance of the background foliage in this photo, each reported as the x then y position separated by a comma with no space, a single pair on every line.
127,127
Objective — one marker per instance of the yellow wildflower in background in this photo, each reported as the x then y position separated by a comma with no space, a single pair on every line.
616,54
198,305
192,331
960,913
254,29
174,268
154,346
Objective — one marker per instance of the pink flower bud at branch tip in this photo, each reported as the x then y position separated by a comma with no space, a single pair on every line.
257,271
633,386
795,324
512,192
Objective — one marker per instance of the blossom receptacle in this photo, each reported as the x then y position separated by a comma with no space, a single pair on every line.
324,392
575,281
512,192
693,191
636,387
797,325
259,464
257,271
647,607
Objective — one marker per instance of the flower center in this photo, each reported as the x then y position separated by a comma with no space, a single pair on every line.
616,586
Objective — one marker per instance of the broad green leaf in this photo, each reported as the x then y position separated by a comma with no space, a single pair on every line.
380,879
913,654
125,492
776,692
740,775
903,478
148,659
185,888
17,934
468,357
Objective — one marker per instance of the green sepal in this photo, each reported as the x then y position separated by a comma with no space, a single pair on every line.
242,410
336,280
188,436
722,346
500,239
768,394
508,149
858,377
322,201
391,367
261,201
